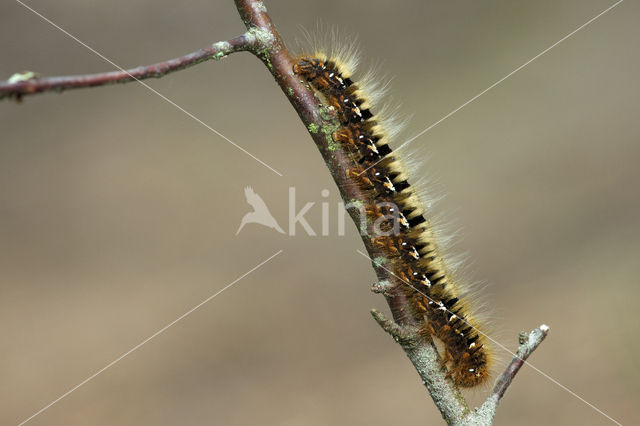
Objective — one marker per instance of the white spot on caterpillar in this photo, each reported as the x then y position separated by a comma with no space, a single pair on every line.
389,185
414,253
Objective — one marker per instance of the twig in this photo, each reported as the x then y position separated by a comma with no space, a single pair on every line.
527,344
263,40
28,83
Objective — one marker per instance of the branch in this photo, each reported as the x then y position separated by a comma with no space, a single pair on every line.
403,328
29,83
321,124
425,358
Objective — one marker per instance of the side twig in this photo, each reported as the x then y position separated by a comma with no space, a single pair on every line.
29,83
527,344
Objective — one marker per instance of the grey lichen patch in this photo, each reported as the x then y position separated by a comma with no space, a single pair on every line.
22,76
262,37
463,402
484,415
523,338
381,287
260,7
379,261
313,127
223,46
447,397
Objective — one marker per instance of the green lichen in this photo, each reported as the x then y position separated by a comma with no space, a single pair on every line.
327,130
266,58
313,128
290,91
359,204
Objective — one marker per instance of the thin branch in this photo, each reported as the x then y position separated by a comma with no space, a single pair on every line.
425,358
28,83
527,344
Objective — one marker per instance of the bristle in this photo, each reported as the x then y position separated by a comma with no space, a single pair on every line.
404,228
329,43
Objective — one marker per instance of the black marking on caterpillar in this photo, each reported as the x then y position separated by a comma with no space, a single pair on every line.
412,250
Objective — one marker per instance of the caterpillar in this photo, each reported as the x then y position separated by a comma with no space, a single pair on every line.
412,249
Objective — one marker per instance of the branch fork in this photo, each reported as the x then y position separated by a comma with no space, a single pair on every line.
445,394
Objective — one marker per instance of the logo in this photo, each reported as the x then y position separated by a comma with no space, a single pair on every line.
260,213
389,217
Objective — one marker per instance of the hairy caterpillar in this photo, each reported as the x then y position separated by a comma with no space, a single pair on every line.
412,246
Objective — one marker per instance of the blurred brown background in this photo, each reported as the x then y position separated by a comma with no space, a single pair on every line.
118,213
